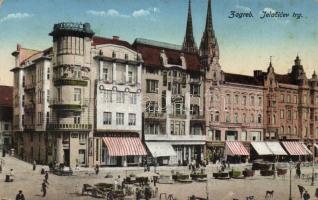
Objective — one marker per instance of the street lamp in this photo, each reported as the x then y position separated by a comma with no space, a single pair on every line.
290,180
313,167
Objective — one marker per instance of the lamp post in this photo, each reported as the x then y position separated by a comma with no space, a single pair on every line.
290,180
313,167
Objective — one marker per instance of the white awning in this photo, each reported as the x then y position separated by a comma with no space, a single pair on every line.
261,148
306,148
316,145
276,148
161,149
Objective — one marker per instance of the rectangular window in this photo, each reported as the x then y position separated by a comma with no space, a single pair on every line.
22,120
227,117
23,98
107,118
152,86
108,96
77,73
120,97
165,81
282,97
133,98
252,100
282,114
59,94
236,99
105,74
244,100
48,95
151,106
295,99
6,127
77,94
259,101
23,81
305,99
130,77
195,89
77,119
132,119
120,118
47,117
48,74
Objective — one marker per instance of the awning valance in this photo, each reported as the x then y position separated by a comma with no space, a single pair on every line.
235,148
124,146
295,148
261,148
276,148
161,149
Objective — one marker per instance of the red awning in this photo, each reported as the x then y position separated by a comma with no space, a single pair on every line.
236,148
295,148
124,146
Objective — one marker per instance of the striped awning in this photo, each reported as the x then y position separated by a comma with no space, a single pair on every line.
124,146
276,148
295,148
235,148
261,148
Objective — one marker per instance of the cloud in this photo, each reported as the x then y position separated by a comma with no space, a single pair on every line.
243,8
12,16
109,12
268,10
140,13
115,13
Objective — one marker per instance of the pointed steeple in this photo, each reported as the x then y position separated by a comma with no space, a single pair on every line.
270,67
189,44
209,45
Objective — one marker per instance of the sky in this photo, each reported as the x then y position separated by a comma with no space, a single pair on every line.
245,44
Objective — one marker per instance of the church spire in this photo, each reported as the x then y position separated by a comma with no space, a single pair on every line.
189,44
209,45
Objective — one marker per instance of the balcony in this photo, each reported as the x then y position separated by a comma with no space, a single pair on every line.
59,104
29,107
155,115
29,87
69,81
180,116
56,126
29,127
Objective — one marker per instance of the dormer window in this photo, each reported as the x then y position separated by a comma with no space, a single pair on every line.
114,54
126,56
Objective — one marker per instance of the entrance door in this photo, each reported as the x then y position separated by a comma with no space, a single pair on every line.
67,157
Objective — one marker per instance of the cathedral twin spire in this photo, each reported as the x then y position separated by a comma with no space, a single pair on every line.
208,45
189,44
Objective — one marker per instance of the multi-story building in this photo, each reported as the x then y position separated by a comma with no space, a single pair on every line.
291,104
234,103
118,114
173,99
6,117
30,103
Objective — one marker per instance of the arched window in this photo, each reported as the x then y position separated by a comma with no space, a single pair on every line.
252,118
235,118
273,119
217,116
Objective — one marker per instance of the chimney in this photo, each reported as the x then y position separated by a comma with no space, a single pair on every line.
257,73
115,37
18,47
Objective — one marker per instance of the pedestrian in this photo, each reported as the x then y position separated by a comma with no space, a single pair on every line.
46,176
97,169
306,195
34,165
147,193
228,164
138,194
44,186
11,175
116,183
155,181
298,171
20,196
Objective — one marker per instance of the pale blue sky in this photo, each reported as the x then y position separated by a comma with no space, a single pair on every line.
245,44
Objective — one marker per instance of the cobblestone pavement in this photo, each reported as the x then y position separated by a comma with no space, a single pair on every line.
69,187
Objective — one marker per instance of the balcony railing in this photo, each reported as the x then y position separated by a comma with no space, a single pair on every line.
155,115
72,105
197,117
182,116
29,126
69,81
53,126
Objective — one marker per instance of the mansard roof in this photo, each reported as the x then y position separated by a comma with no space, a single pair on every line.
97,40
242,79
285,78
151,55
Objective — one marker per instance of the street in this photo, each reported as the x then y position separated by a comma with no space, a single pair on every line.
69,187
